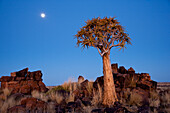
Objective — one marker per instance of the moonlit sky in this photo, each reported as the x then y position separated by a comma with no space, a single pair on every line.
48,44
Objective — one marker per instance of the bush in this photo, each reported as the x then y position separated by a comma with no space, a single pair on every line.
154,100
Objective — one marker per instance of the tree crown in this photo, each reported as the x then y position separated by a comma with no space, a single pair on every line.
102,34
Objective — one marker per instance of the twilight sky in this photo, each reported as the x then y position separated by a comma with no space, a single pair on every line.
48,44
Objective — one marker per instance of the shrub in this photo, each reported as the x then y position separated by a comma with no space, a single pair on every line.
97,96
135,99
39,95
154,100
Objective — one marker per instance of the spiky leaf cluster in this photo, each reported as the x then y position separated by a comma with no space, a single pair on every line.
102,34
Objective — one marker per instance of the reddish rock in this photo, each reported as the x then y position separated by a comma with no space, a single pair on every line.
30,76
25,89
42,87
34,105
80,79
19,78
84,84
41,106
114,68
5,78
22,73
17,109
38,75
145,76
13,74
24,82
4,85
28,100
122,70
131,70
98,82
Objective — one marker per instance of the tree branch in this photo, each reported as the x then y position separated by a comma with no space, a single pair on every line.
115,45
102,53
99,51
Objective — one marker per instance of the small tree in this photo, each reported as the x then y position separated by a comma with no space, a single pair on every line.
104,34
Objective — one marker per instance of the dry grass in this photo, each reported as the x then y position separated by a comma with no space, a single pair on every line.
70,97
39,95
135,99
165,101
70,85
7,102
97,96
154,100
124,96
88,109
51,108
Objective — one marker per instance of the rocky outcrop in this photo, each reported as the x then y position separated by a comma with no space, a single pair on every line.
30,105
23,82
139,83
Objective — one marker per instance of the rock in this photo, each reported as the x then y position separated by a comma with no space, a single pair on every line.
41,106
4,85
22,73
17,96
23,82
34,105
30,76
42,87
19,78
38,75
84,84
145,76
86,101
13,74
122,70
146,85
97,111
131,70
17,109
71,104
25,89
154,84
78,103
98,82
5,78
114,68
80,79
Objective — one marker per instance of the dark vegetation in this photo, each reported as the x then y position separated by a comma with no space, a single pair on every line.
136,93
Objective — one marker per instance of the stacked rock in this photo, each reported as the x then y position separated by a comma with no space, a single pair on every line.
23,82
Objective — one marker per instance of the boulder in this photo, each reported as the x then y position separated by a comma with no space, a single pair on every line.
13,74
38,75
22,73
34,105
99,82
131,71
17,109
25,89
5,78
80,79
23,82
114,68
42,87
145,76
122,70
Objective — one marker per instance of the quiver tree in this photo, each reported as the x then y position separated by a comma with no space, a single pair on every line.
103,34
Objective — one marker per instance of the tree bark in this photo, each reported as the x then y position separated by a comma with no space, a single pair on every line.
109,95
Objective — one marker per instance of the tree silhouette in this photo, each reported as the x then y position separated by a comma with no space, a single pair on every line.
103,34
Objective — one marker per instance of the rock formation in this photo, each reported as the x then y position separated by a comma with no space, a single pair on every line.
23,82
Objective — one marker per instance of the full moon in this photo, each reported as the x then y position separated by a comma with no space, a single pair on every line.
42,15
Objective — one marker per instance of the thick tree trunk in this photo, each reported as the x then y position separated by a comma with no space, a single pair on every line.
109,88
